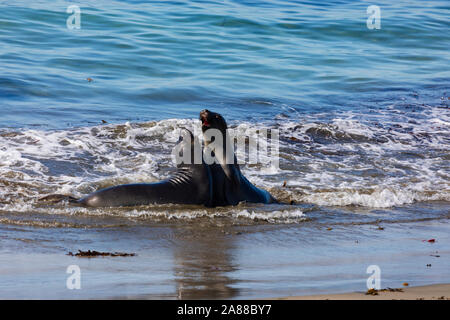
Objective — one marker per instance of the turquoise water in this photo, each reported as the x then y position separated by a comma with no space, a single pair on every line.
162,59
364,122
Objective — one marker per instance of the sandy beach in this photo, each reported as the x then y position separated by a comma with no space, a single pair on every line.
431,292
200,260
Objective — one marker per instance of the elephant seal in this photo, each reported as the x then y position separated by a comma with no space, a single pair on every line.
230,186
191,184
211,185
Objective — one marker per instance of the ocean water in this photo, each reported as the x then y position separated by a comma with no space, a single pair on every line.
363,116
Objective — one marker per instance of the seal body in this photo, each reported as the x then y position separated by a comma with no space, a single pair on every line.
188,186
191,184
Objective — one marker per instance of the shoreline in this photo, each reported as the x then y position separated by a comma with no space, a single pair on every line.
201,261
427,292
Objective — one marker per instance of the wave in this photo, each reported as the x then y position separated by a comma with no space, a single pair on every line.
347,159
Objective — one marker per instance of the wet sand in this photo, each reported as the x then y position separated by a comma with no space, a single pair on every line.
215,259
431,292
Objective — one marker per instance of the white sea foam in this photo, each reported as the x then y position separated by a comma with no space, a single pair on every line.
279,216
283,216
349,159
379,198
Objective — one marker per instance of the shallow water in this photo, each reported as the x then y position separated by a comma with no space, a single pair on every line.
364,126
208,258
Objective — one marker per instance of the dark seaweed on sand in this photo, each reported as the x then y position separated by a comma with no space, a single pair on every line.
94,253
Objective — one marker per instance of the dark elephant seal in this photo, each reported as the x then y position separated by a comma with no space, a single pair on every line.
191,184
217,184
230,186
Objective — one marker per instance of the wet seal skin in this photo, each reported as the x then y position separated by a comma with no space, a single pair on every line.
230,186
191,184
211,185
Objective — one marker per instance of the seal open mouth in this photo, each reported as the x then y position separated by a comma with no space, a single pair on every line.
204,118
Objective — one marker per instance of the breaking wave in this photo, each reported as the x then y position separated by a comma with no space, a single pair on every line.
378,161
